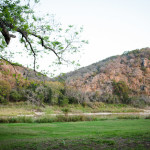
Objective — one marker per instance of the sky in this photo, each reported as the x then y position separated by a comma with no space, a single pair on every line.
110,26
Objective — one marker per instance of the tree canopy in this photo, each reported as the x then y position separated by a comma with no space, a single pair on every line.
38,34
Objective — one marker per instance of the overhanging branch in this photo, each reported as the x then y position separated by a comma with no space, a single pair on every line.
4,24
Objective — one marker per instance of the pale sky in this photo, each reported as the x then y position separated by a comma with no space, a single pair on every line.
110,26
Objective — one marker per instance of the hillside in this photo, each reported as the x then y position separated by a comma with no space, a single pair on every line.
9,71
124,78
133,68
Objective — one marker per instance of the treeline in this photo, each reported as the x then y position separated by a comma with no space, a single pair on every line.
36,92
57,93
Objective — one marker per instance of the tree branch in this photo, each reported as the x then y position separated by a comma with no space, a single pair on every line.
5,32
25,36
46,47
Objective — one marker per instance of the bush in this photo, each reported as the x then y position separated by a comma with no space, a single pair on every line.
140,102
75,96
15,96
38,93
122,91
62,100
48,96
5,89
33,85
65,111
2,100
109,98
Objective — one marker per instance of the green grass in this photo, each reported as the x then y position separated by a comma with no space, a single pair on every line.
107,134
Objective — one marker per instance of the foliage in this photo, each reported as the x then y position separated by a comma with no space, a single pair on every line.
140,101
17,64
33,85
143,69
38,94
121,90
34,32
75,96
5,89
110,98
62,100
136,51
16,96
65,111
48,98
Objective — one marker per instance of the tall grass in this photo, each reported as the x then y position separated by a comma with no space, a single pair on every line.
17,120
64,118
128,117
48,119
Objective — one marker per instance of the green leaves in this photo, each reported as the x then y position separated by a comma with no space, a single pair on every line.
38,33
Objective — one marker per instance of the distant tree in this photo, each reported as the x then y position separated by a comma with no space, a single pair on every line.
17,19
121,90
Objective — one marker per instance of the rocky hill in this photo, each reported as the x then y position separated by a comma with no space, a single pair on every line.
14,70
132,67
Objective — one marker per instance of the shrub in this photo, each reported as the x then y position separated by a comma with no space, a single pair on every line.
122,91
33,85
2,100
140,102
38,93
65,111
5,89
48,96
16,96
75,96
143,69
109,98
62,100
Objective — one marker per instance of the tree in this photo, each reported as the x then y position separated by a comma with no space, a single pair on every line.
36,33
121,90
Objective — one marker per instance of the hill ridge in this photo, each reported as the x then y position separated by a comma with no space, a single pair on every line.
132,67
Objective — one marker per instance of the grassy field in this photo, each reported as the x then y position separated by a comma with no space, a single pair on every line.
107,134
